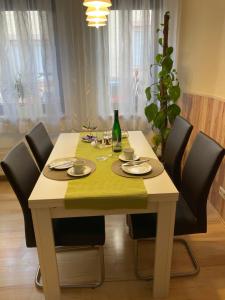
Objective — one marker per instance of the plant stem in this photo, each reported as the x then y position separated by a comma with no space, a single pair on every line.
163,89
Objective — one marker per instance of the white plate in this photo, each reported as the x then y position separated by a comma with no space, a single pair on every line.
122,157
137,169
86,171
61,164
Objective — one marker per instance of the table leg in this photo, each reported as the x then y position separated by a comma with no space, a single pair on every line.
164,247
46,253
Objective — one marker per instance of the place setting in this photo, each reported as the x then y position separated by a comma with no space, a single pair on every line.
69,168
132,166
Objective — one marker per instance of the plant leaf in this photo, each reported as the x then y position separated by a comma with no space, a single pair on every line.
167,64
160,41
162,73
157,139
174,92
151,111
165,132
167,80
169,50
158,58
160,119
172,111
148,93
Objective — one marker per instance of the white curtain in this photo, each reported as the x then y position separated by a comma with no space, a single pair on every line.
107,68
29,86
55,68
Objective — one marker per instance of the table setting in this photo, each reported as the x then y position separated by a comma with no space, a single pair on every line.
98,147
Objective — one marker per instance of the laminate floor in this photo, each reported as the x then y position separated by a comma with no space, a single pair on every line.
18,264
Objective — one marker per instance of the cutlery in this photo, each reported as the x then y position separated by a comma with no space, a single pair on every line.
135,163
55,165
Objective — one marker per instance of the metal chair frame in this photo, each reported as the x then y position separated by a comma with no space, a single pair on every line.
195,264
96,284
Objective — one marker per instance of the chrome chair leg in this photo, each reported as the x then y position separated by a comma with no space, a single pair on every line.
195,264
96,284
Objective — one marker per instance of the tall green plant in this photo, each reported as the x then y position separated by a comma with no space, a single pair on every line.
161,109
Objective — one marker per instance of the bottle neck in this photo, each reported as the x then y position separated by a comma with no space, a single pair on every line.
116,115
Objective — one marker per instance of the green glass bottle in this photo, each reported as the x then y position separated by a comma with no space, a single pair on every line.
116,133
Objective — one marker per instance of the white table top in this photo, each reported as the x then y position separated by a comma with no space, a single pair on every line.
50,193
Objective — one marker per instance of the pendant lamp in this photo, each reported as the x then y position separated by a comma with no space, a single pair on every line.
96,24
102,11
96,19
97,3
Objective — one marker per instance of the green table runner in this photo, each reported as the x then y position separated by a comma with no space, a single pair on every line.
103,189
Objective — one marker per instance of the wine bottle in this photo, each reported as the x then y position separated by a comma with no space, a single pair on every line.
116,133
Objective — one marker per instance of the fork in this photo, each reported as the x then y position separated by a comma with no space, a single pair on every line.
54,165
135,163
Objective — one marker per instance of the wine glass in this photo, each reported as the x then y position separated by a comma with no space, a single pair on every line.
89,128
104,141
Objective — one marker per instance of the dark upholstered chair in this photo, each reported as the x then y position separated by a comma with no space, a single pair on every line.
40,144
174,149
22,174
191,215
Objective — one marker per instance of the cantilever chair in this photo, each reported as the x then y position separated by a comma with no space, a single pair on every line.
191,215
174,149
40,144
69,233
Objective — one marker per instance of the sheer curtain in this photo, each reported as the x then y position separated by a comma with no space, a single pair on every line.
107,68
56,69
29,87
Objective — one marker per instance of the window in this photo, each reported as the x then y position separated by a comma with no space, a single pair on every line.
29,66
128,31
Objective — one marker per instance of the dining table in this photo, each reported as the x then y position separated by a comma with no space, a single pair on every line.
47,201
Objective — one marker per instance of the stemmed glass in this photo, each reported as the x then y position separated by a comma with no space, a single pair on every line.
89,128
104,139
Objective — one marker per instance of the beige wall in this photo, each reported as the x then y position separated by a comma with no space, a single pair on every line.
202,47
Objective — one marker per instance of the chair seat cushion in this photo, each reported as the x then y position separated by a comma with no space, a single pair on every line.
82,231
144,225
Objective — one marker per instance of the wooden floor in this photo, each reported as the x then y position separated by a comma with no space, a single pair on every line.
18,264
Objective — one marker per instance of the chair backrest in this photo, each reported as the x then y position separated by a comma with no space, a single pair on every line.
22,174
40,144
199,171
174,149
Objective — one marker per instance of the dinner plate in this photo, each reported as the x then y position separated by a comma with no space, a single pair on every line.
122,157
141,169
61,164
86,171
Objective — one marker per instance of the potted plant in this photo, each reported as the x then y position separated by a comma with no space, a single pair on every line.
162,96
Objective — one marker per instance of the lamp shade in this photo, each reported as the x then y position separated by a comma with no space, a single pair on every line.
103,11
97,3
96,19
96,24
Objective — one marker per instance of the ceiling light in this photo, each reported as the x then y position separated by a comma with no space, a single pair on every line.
96,24
97,3
96,19
103,11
